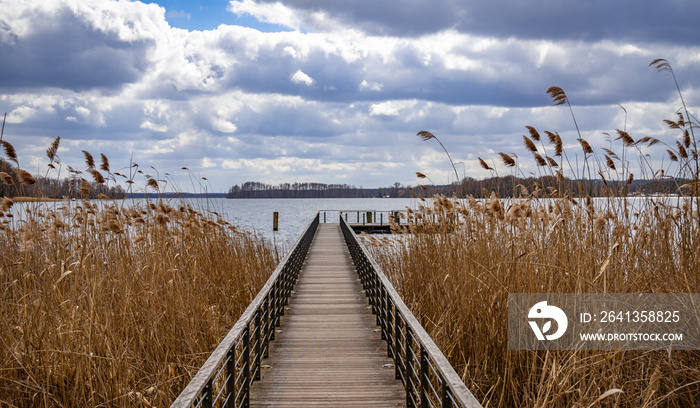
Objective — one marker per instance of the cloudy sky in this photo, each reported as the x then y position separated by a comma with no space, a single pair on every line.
334,91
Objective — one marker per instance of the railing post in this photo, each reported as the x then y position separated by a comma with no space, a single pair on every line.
376,307
409,368
246,366
382,312
275,305
269,333
397,345
231,377
258,345
208,391
388,329
446,400
288,279
424,385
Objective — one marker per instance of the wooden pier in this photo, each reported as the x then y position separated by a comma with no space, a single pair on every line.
329,351
327,329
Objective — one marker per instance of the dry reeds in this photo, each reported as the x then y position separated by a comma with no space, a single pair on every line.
105,303
463,258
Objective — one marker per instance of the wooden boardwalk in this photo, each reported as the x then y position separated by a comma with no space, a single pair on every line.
328,351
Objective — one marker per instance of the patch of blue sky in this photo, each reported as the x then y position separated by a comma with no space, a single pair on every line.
203,15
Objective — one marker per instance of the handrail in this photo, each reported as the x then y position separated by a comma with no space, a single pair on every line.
418,362
366,216
226,376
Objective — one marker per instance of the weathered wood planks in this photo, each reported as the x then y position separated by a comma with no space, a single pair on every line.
328,351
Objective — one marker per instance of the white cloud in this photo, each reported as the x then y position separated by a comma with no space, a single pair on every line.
370,86
154,127
208,163
224,126
21,114
390,108
300,77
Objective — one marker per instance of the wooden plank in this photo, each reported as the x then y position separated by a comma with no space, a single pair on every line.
328,351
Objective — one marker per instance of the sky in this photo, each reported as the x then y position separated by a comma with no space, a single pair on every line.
336,91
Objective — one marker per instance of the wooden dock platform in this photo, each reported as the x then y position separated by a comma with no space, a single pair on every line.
328,350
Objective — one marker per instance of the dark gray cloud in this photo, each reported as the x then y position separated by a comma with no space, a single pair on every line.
623,20
65,51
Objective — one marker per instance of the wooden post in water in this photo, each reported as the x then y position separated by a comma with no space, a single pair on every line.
275,220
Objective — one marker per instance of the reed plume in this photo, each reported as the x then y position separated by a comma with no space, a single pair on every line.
507,160
24,177
153,183
529,144
609,162
534,134
557,94
681,150
10,151
89,160
7,203
484,165
587,149
555,139
104,166
626,138
97,176
672,155
7,179
540,160
53,149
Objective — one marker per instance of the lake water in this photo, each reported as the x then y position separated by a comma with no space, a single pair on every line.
296,213
256,215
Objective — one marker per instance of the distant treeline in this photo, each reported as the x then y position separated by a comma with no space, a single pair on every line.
508,186
511,186
254,189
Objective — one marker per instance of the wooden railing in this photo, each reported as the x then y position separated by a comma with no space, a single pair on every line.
225,378
429,379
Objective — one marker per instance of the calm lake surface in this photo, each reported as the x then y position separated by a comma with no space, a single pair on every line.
296,213
252,214
256,215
